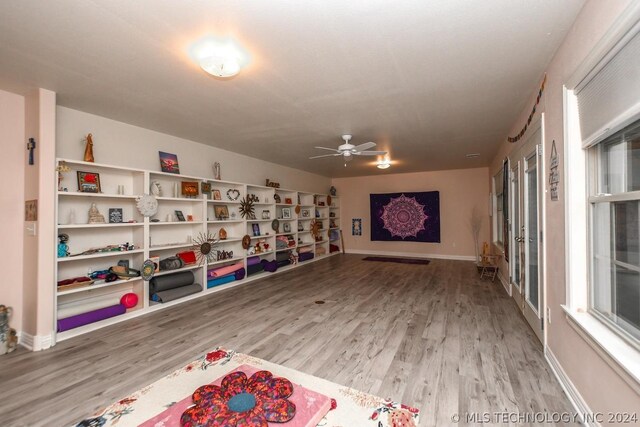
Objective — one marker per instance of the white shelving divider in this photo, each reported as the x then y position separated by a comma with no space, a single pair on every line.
164,235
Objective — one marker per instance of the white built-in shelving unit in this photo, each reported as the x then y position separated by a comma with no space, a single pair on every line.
162,235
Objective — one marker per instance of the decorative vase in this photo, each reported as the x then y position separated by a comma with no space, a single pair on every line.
176,193
216,171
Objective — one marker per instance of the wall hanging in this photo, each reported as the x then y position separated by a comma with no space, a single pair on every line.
410,217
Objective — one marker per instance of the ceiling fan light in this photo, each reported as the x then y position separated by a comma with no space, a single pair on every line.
383,164
220,66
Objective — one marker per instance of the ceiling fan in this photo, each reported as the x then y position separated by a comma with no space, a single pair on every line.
348,150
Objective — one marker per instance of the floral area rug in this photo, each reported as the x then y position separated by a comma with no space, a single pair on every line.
161,403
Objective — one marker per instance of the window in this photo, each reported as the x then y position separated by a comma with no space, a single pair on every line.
602,161
498,218
614,294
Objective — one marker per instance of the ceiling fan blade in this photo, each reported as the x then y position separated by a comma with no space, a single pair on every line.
326,155
365,146
371,153
330,149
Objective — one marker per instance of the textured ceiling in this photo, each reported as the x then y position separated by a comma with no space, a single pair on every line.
429,81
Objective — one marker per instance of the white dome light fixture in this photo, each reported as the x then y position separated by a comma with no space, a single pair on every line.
383,164
220,57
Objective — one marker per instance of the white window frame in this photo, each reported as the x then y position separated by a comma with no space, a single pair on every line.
621,354
498,223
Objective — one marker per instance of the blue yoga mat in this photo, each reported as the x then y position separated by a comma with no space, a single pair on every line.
221,280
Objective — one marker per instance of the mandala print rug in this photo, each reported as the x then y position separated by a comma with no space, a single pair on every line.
318,402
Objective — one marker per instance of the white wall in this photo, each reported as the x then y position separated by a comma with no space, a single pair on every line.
122,144
12,200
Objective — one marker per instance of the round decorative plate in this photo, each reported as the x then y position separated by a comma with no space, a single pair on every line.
147,205
246,241
328,200
275,225
297,209
148,269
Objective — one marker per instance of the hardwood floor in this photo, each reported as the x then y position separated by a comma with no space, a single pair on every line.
435,337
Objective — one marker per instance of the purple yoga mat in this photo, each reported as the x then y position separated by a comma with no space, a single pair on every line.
240,274
253,260
305,256
90,317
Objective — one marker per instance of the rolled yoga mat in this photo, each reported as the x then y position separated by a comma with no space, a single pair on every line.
253,269
240,274
270,266
305,256
177,293
72,309
283,263
171,281
282,256
90,317
253,260
223,271
221,281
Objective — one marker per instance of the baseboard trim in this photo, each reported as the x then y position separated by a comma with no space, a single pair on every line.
505,283
34,342
411,255
571,391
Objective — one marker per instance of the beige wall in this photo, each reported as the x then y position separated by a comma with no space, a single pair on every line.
460,192
122,144
600,386
12,201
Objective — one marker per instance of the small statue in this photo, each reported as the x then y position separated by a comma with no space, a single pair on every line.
88,150
222,234
216,171
63,248
333,191
95,217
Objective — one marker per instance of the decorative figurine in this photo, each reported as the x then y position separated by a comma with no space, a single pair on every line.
222,234
216,171
62,167
156,188
88,150
95,217
63,248
332,191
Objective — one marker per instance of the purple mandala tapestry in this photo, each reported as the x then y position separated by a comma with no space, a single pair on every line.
409,217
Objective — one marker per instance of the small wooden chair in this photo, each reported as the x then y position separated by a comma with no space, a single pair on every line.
489,264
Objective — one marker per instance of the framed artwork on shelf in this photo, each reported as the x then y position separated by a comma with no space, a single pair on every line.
190,218
206,187
89,182
180,216
169,162
288,201
256,229
221,212
115,215
216,195
189,188
305,213
286,213
286,227
266,214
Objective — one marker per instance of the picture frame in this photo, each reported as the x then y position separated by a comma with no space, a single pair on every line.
31,210
286,227
216,194
266,214
221,212
89,182
180,216
169,162
115,216
256,229
305,213
189,188
206,187
190,218
286,213
288,201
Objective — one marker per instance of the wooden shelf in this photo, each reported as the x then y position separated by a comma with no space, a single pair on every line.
225,221
107,225
165,247
222,261
98,195
100,255
176,223
179,199
95,286
187,268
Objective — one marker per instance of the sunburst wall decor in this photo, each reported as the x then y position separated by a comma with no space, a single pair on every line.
246,208
204,246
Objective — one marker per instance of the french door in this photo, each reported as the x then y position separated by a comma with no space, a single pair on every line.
526,250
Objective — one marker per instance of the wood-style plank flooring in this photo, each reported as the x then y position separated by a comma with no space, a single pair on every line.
435,337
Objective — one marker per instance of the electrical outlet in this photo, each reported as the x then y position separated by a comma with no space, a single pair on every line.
549,315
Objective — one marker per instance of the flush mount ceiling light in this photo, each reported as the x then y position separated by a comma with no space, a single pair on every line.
472,155
220,57
383,164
